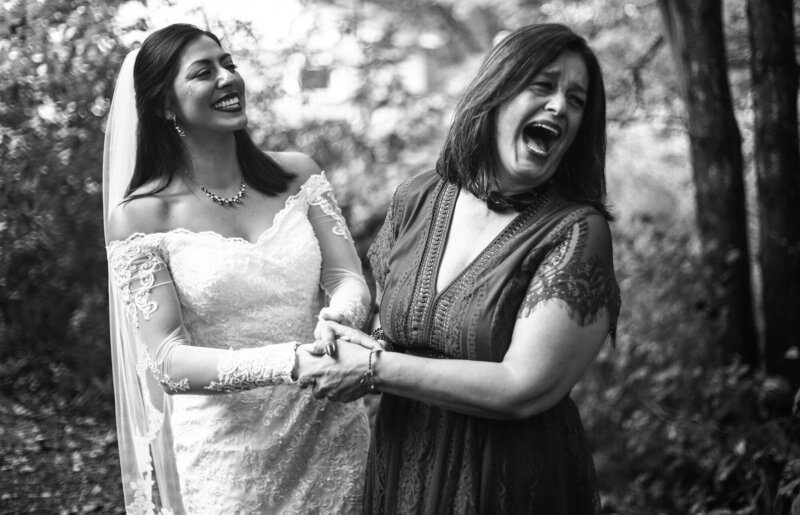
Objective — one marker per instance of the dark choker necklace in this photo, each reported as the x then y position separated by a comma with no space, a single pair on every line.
498,202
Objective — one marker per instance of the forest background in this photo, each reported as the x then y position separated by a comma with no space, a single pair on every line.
692,412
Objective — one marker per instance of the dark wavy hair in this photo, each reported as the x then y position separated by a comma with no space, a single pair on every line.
470,155
159,150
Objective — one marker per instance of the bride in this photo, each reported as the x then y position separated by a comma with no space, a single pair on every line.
216,255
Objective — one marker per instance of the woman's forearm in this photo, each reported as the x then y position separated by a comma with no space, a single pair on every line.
477,388
548,354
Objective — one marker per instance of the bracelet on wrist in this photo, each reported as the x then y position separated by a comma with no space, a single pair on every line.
368,379
378,334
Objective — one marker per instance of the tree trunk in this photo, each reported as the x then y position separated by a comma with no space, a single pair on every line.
694,30
777,160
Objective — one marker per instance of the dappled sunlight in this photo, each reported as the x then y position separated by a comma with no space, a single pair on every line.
649,176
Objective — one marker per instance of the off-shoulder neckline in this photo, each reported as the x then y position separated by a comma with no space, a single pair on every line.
291,200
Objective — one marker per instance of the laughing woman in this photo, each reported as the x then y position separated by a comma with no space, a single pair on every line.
498,291
216,253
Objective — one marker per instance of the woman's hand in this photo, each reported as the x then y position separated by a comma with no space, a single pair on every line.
330,329
348,334
337,378
324,333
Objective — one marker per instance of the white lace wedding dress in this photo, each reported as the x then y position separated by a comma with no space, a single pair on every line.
267,450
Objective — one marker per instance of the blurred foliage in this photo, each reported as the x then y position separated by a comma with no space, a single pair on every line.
57,70
677,428
58,446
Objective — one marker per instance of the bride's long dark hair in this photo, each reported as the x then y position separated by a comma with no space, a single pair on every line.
159,150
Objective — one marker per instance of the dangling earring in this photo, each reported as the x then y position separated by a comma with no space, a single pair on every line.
177,126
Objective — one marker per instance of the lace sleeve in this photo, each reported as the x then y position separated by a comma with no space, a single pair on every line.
579,272
320,195
341,276
143,285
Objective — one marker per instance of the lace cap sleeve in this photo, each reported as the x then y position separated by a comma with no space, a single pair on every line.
579,271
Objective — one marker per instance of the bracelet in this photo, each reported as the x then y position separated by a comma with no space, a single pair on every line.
378,334
368,379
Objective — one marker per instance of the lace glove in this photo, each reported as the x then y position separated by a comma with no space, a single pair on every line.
253,368
236,370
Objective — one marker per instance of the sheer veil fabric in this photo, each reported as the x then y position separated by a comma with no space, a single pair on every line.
144,439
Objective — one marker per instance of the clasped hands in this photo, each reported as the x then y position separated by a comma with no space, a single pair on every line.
336,362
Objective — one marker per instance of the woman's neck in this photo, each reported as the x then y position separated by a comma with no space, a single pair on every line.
213,162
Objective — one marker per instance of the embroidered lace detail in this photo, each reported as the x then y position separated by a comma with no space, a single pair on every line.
253,368
180,386
354,312
315,186
143,498
142,488
142,502
585,287
130,262
585,284
329,206
163,378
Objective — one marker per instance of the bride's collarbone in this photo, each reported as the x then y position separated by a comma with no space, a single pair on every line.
246,220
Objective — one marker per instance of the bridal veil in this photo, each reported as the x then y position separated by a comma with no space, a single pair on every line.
149,479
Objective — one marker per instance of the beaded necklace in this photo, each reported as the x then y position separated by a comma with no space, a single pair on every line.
222,201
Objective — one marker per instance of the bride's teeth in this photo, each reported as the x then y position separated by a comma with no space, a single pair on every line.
227,103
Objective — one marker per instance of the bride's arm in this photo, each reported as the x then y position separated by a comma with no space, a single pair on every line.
143,286
340,277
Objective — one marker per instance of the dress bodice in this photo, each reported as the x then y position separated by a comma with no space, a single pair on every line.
236,293
541,254
273,449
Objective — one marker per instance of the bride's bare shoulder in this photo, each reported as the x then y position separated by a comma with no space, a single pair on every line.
302,165
141,214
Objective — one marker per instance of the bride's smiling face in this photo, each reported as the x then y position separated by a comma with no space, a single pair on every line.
208,92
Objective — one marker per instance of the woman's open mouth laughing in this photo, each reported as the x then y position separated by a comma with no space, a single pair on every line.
539,137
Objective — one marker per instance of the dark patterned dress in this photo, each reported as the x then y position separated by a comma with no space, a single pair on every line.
429,460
